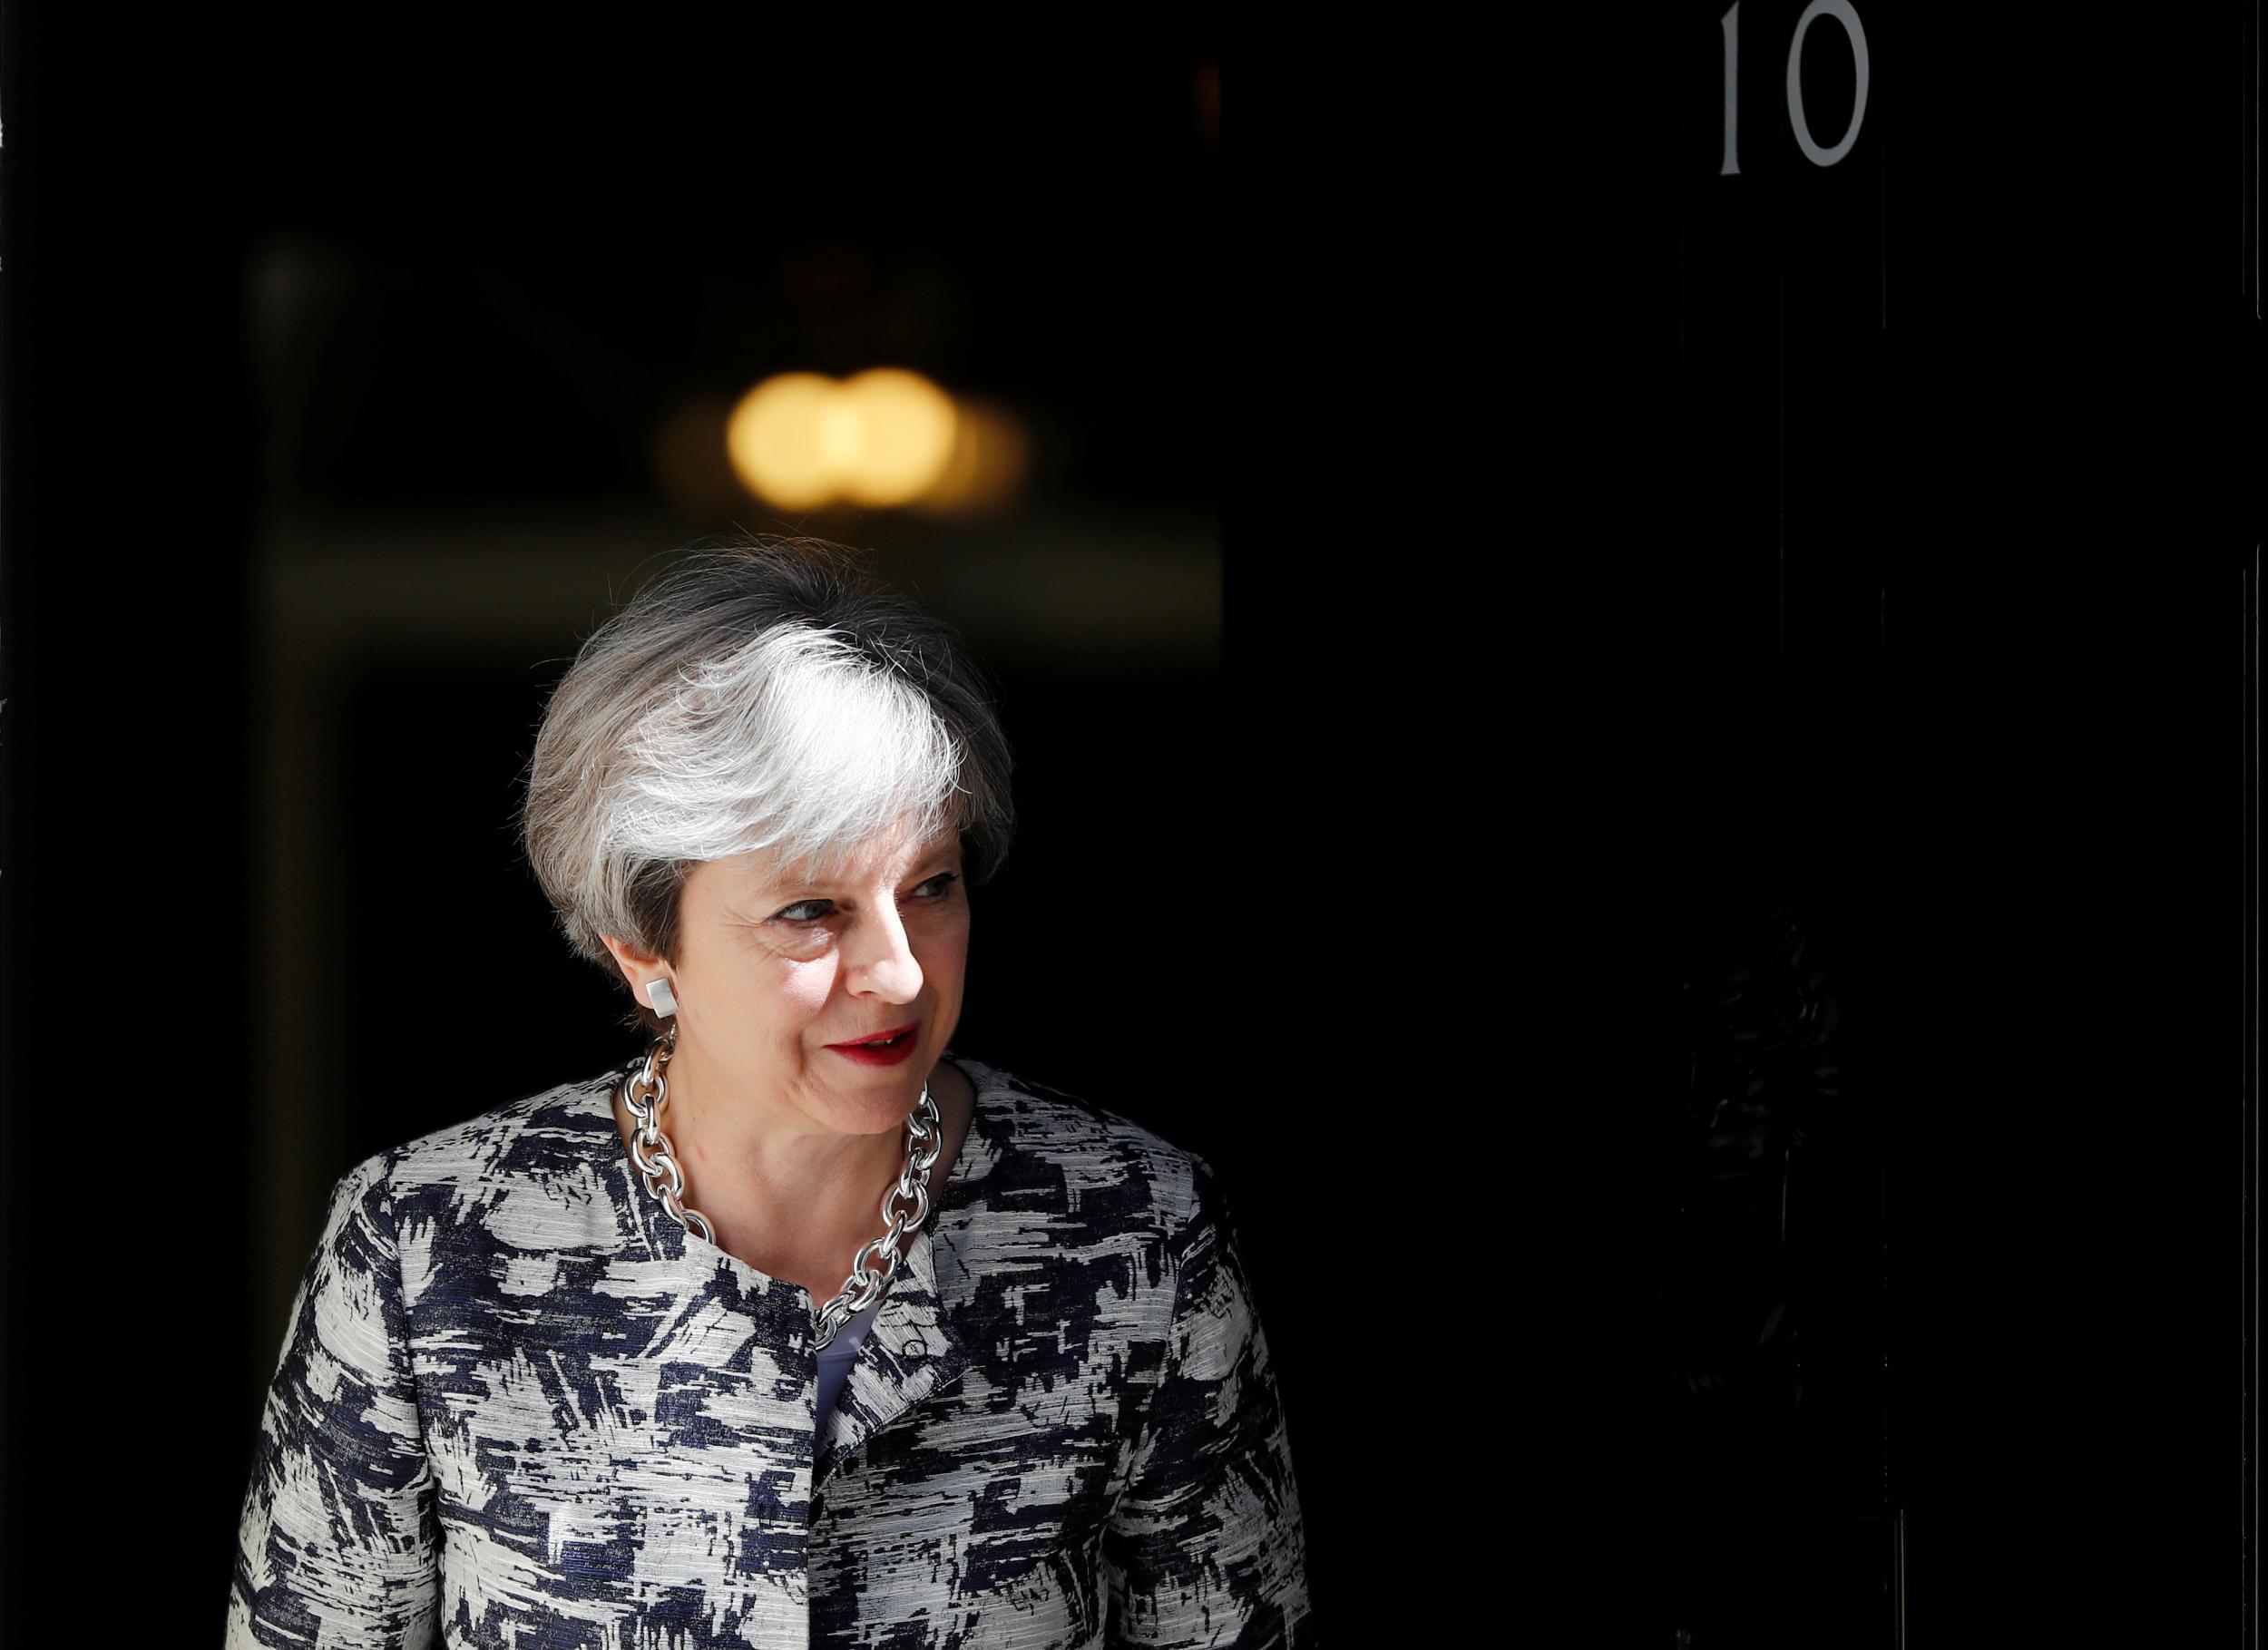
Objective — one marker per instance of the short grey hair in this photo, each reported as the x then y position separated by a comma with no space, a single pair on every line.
769,694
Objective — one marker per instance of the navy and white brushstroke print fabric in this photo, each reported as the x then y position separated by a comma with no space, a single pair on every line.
517,1405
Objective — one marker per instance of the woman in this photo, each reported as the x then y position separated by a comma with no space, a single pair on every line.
803,1329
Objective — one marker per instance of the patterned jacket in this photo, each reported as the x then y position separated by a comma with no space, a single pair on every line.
518,1405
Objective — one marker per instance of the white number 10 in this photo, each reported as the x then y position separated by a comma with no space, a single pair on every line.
1844,13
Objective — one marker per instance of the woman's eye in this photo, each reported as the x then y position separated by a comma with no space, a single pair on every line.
813,911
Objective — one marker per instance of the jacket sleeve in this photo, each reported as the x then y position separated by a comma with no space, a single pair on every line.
337,1544
1205,1545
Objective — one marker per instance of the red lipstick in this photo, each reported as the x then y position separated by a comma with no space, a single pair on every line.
883,1048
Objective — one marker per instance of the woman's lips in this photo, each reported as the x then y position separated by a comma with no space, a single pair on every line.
885,1048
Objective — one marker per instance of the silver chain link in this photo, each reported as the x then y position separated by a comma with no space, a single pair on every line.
645,1090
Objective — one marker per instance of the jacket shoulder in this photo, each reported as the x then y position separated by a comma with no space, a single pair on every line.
547,1147
1048,1141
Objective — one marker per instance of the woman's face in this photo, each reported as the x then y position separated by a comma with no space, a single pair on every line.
774,975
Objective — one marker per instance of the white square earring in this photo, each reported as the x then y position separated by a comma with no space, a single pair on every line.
664,999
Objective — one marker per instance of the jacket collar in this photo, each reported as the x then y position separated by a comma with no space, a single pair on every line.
911,1349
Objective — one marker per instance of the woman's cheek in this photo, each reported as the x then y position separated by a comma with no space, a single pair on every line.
810,982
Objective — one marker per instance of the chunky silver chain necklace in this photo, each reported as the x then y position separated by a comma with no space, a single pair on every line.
645,1090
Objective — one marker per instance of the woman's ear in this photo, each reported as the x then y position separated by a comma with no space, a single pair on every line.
639,967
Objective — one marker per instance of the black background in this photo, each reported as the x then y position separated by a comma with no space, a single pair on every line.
1498,703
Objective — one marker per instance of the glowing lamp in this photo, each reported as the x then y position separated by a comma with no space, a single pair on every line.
882,438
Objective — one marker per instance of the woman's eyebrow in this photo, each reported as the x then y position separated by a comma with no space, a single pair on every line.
762,882
797,880
929,865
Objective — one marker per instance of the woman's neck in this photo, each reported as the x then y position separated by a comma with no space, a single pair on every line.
796,1204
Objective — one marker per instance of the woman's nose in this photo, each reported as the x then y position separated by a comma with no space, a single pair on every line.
882,963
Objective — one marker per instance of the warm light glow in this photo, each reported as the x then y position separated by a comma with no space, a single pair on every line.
989,455
778,438
903,427
883,438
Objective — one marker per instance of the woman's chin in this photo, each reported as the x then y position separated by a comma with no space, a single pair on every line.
876,1111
